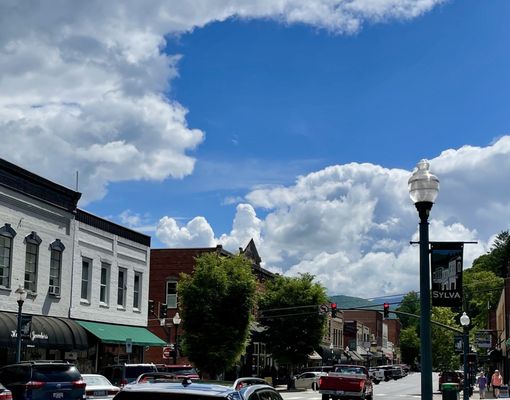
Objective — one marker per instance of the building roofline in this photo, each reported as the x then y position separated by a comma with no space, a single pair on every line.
111,227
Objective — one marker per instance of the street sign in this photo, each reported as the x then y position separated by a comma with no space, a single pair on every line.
168,351
323,309
458,344
129,345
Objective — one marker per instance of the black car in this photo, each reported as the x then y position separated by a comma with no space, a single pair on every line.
36,380
189,390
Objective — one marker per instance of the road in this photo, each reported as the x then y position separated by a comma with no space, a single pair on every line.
407,388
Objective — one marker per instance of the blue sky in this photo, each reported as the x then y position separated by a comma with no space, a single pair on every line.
293,122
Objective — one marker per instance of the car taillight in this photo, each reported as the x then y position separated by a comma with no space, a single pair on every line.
34,385
361,385
6,395
123,382
320,381
79,384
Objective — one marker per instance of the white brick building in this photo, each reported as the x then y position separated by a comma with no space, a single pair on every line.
86,279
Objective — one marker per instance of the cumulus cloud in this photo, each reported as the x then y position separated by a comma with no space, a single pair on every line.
89,80
353,223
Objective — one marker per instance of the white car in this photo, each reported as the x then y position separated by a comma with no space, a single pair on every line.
308,380
98,387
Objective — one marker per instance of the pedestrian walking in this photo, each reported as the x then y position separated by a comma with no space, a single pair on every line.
496,382
482,384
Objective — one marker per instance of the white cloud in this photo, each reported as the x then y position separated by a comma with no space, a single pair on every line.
351,225
196,233
88,80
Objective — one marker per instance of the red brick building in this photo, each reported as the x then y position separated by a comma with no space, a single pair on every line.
165,267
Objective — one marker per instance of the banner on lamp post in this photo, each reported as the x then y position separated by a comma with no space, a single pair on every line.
446,264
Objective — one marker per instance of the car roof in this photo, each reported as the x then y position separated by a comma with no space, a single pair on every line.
167,387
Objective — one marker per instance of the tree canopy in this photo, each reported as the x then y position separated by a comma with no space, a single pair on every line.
216,304
288,308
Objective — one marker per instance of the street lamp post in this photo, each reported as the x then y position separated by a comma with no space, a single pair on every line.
332,357
423,190
176,320
464,321
22,295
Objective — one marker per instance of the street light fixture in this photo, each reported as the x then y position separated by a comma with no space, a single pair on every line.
423,189
464,321
176,320
22,295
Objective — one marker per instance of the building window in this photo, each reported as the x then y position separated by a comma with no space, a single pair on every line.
86,269
32,242
137,287
6,236
121,287
171,294
56,249
104,291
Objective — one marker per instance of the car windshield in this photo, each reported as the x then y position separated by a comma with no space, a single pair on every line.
55,373
182,370
350,370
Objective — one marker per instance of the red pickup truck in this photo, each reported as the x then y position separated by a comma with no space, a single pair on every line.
346,381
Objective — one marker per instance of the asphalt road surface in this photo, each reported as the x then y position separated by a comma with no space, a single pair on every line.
407,388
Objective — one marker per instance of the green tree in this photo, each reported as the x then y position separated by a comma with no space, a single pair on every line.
444,357
498,257
409,345
289,312
410,304
482,290
216,304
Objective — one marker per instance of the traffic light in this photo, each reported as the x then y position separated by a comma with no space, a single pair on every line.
152,310
333,310
163,308
386,308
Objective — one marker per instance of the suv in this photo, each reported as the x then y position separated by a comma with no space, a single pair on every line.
122,374
43,380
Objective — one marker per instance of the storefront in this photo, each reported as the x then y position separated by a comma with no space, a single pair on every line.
47,338
114,344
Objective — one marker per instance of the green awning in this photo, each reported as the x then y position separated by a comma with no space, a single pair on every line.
108,333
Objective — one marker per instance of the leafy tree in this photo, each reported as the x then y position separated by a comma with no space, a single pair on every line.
498,257
216,304
289,312
409,345
482,290
444,357
410,304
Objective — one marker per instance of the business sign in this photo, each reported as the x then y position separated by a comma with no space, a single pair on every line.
458,344
483,340
129,345
446,265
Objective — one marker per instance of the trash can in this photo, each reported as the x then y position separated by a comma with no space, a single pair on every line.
450,391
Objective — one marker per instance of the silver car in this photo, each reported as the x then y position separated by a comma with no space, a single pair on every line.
308,380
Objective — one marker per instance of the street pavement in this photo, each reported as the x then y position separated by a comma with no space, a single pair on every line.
407,388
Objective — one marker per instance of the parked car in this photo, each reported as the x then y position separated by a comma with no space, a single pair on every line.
122,374
346,381
181,371
196,391
98,387
377,375
456,377
5,394
308,380
43,380
248,381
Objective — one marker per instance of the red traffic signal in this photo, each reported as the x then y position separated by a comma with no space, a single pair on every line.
333,310
386,309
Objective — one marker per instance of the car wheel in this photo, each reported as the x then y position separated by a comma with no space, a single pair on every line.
314,385
325,397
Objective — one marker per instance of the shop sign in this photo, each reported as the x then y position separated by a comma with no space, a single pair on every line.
483,340
446,265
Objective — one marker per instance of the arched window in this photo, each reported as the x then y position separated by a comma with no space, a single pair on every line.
32,243
56,250
6,236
